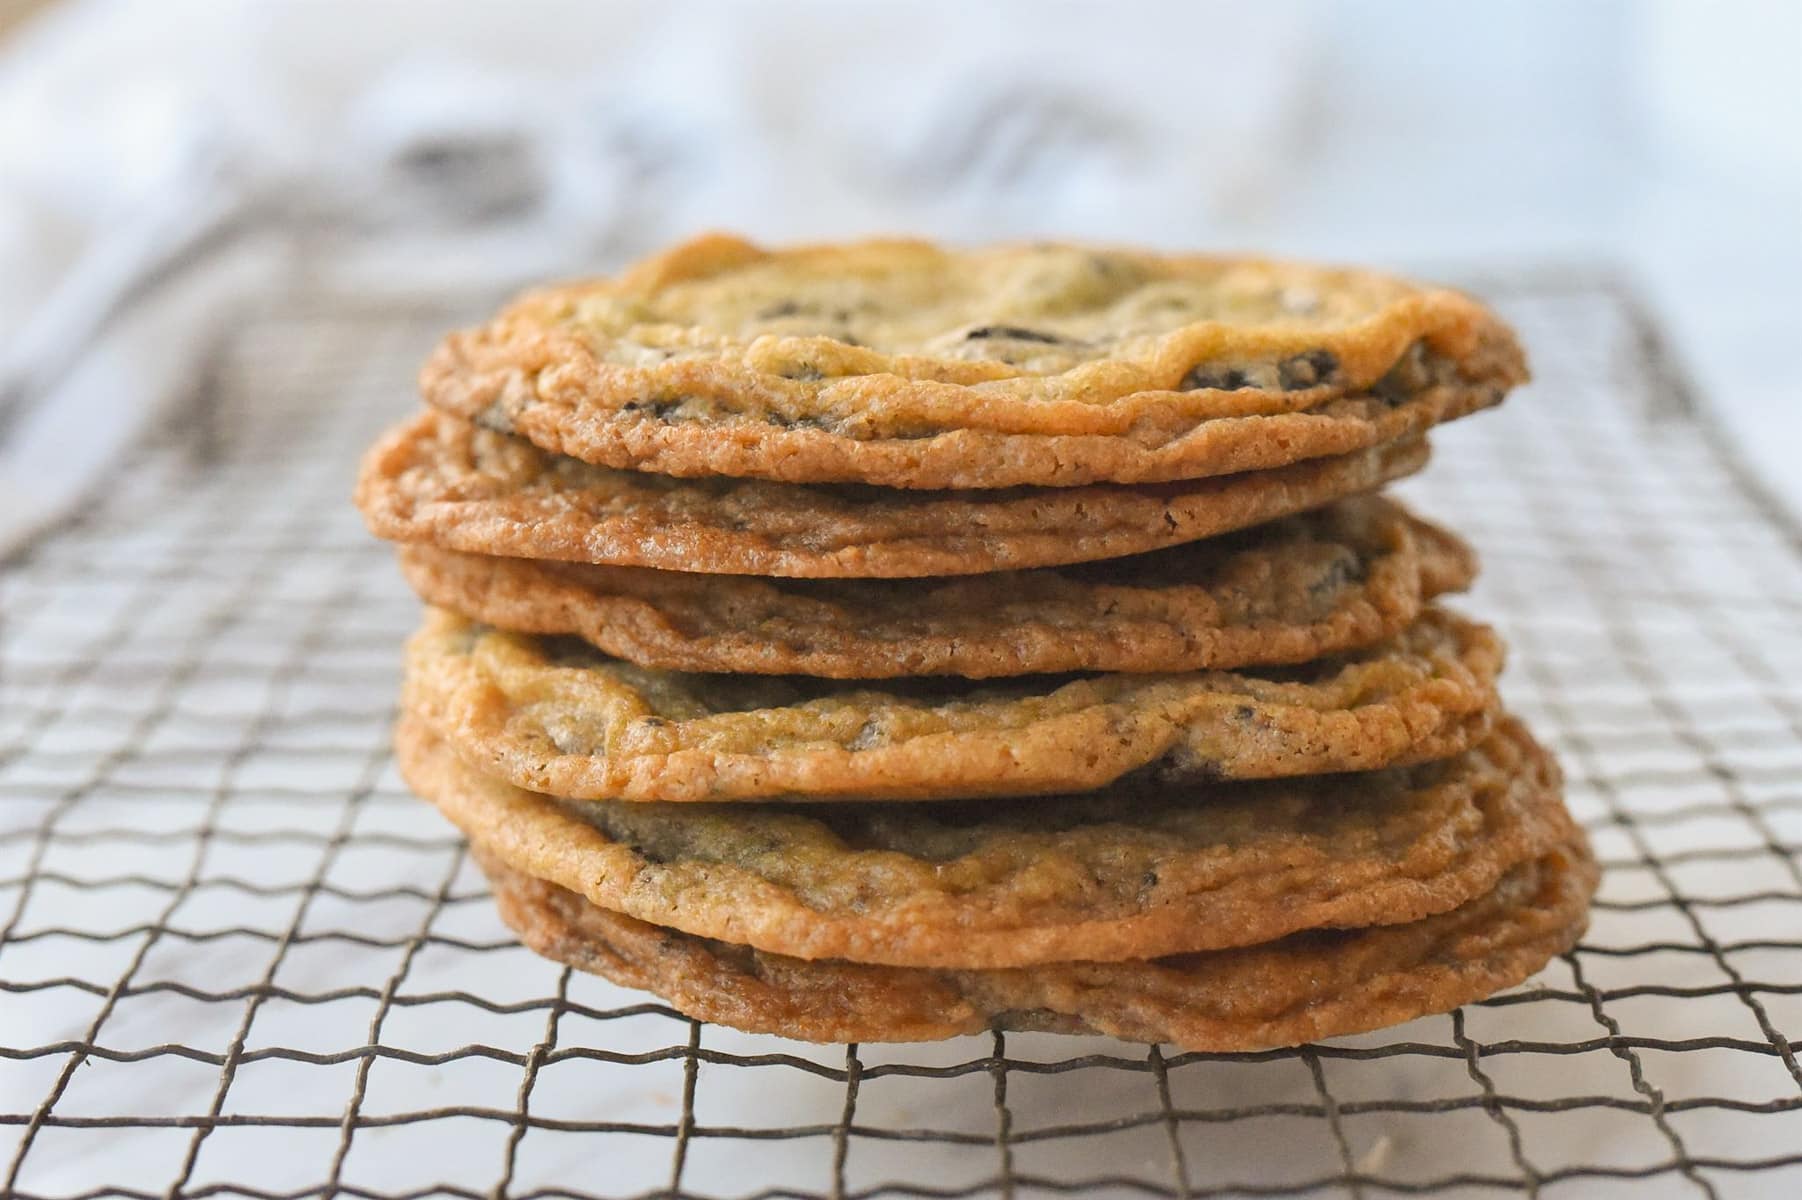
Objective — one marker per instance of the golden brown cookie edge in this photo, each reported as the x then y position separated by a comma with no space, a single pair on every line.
538,836
1408,562
1303,988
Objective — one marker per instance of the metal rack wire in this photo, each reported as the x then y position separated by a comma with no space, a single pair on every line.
237,959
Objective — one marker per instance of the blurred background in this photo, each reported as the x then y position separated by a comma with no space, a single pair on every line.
196,153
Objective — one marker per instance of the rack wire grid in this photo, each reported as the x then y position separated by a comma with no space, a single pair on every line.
236,958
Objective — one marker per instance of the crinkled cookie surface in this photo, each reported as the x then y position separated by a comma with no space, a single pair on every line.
909,365
553,715
438,480
1103,876
1289,591
1302,988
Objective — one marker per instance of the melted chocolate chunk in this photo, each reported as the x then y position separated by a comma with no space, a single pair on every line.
1307,370
1411,374
1219,379
811,421
1014,333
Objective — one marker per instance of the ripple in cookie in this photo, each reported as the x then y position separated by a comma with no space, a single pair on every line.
554,715
1104,876
1295,589
1300,988
903,364
439,480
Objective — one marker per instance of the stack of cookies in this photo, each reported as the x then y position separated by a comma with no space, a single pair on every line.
882,642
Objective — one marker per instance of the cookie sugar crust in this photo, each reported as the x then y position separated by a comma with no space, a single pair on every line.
904,364
1104,876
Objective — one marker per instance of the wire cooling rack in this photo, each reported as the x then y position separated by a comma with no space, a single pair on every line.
237,959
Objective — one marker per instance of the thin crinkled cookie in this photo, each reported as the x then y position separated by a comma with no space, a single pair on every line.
1303,988
905,365
439,480
556,716
1287,592
1106,876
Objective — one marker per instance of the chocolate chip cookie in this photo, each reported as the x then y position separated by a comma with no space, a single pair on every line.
556,716
441,481
908,365
1296,589
1103,876
1301,988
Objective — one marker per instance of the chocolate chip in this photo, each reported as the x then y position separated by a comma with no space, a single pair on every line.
1410,374
1013,333
1220,379
654,855
660,409
811,421
1307,370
